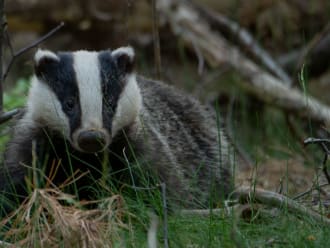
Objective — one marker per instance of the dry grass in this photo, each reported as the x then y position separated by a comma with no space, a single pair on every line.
51,218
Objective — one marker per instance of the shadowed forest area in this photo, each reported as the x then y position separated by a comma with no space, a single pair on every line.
263,64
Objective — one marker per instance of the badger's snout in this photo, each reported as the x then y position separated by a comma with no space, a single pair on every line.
91,141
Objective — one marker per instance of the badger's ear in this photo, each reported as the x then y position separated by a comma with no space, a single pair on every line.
43,59
125,58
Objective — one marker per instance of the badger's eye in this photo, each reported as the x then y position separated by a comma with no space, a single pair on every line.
69,104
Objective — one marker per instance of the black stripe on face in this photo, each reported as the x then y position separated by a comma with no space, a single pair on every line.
113,82
61,79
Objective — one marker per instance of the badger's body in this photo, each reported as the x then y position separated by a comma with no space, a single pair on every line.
88,111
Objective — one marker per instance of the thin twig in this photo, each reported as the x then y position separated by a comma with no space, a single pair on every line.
322,143
247,161
129,168
155,34
2,38
209,78
312,140
8,115
143,188
11,49
4,35
324,167
300,195
163,188
311,54
32,45
200,58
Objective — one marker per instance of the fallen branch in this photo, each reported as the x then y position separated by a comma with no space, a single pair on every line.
203,212
189,25
246,212
273,199
231,30
246,196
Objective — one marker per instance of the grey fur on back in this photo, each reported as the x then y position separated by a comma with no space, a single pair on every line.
181,138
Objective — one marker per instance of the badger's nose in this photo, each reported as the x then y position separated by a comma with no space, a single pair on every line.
91,141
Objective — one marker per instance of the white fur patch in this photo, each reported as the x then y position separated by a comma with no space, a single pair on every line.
44,53
129,105
43,107
87,70
129,51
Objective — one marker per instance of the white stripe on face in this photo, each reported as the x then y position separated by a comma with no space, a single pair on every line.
43,106
129,105
87,70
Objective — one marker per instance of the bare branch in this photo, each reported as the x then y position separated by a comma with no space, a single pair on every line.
244,39
155,34
315,56
2,38
242,154
163,190
190,26
300,195
4,35
11,49
8,115
34,44
203,212
312,140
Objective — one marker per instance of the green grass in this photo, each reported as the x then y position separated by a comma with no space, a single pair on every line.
286,230
14,98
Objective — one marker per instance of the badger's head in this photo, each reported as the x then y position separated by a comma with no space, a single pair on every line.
85,96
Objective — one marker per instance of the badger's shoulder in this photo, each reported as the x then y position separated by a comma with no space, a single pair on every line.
184,135
180,121
167,101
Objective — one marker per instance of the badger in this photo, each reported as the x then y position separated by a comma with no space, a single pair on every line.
88,111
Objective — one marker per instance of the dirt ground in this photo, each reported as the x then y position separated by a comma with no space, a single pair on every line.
287,176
